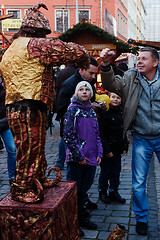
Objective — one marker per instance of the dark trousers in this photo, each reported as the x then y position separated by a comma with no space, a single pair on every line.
84,176
110,173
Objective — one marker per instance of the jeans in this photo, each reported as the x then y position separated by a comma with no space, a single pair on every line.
62,154
11,151
84,176
142,153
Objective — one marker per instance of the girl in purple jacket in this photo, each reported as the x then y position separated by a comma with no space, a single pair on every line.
84,147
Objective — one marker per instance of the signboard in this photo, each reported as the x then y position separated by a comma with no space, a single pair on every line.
12,23
95,49
110,23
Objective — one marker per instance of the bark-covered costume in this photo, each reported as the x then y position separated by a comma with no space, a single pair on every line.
27,71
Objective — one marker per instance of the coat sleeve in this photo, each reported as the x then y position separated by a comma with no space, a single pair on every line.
111,82
99,143
70,136
57,52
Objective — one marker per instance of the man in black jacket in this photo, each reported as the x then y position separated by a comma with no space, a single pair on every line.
69,85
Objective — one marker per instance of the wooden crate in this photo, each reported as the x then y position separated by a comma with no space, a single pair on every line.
53,219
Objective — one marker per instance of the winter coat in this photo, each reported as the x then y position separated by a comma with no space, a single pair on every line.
81,133
62,76
111,131
129,88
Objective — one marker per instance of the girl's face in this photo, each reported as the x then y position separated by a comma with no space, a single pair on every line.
115,100
84,94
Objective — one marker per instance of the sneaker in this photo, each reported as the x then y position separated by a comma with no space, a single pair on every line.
141,228
116,197
104,197
86,223
91,205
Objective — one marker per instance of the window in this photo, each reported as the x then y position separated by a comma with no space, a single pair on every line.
62,20
122,24
83,14
17,15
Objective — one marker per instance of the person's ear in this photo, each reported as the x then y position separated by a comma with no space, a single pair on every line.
155,63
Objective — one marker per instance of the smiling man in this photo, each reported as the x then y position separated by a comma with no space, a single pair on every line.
140,92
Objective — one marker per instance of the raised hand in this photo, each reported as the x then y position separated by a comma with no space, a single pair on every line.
107,55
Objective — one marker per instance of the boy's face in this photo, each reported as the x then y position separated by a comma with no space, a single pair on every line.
84,94
115,100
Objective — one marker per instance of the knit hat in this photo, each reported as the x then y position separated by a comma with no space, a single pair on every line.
83,83
36,19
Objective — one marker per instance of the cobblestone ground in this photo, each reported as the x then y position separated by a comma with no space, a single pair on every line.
106,216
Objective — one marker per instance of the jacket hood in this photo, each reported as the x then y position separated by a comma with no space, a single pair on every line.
76,100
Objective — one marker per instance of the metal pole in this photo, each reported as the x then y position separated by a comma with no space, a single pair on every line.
2,7
101,14
63,20
77,18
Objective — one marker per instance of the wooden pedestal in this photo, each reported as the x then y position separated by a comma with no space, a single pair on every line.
53,219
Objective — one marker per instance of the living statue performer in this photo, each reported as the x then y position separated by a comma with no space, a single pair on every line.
27,71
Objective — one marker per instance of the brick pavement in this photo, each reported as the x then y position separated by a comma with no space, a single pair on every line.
106,216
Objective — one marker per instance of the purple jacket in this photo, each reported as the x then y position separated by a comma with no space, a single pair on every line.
81,133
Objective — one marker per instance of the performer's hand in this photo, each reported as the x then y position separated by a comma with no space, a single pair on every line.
107,55
98,160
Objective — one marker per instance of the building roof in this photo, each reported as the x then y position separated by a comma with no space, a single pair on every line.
81,31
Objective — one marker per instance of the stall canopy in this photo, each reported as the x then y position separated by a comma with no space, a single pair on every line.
94,39
144,43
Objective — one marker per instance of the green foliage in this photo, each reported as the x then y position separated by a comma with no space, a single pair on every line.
99,32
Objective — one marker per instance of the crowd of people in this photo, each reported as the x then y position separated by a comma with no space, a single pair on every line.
92,132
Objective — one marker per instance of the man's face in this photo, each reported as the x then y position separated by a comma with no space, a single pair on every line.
146,63
90,73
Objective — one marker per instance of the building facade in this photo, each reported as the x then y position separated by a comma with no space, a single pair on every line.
152,31
110,15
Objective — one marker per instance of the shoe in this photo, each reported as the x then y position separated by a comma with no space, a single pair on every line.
81,233
104,197
86,223
85,213
91,205
141,228
116,197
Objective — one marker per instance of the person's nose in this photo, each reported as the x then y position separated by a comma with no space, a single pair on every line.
139,61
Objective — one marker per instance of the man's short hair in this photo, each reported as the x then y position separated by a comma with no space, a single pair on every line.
93,61
153,52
